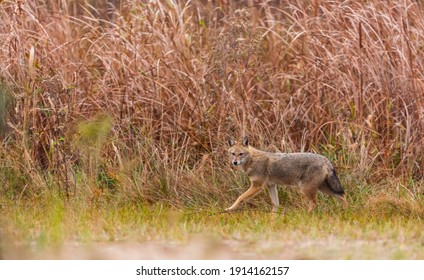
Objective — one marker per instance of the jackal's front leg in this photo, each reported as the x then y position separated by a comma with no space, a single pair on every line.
254,189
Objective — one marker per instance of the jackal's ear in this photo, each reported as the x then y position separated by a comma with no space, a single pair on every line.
245,141
231,142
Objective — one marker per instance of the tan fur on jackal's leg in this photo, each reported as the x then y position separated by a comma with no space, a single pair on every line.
311,194
254,189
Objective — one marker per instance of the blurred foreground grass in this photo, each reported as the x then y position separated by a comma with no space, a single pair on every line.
368,229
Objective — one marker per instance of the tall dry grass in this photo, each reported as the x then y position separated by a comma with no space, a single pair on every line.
138,98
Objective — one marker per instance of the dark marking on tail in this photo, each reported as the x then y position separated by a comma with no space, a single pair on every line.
334,183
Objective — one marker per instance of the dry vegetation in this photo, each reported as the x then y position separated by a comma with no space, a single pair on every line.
133,101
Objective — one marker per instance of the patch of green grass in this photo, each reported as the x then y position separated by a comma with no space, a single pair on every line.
329,232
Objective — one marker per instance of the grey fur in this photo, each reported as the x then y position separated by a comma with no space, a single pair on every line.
311,172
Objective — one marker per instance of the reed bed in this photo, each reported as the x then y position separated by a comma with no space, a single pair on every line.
136,99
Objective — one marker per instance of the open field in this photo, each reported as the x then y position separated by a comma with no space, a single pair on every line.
370,229
114,119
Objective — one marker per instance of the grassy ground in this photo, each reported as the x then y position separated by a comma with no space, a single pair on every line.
114,120
373,227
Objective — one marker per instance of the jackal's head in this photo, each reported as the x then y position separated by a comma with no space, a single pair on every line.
239,152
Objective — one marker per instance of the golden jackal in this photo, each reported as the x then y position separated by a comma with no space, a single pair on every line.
311,172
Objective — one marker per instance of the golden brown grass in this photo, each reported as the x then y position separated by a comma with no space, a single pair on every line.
135,102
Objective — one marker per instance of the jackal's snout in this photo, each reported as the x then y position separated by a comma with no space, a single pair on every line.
236,162
238,157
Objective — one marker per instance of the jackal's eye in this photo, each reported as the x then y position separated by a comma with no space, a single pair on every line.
241,154
233,154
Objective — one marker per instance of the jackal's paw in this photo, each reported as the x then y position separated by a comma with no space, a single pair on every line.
228,209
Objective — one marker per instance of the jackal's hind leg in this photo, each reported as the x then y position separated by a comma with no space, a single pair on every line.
311,194
254,189
273,194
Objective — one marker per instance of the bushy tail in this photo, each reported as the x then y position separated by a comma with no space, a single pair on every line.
334,183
